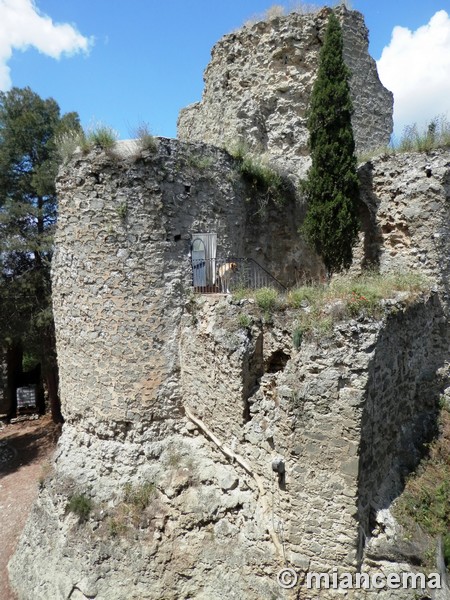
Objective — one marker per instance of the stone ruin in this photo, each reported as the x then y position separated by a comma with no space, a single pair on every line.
259,81
257,455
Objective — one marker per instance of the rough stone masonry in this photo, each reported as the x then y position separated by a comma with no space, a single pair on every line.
177,408
259,81
160,386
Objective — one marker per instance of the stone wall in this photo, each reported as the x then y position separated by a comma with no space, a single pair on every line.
259,81
122,260
405,214
347,412
162,386
222,522
401,406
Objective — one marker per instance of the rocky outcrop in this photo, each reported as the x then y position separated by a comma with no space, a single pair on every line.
259,81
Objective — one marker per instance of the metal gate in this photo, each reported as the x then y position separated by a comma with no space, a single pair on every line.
226,275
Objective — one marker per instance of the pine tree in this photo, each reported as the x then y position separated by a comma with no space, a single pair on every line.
331,188
29,162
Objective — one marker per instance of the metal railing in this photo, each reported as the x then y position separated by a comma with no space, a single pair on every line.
225,275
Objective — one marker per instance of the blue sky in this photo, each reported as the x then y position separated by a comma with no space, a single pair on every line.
125,62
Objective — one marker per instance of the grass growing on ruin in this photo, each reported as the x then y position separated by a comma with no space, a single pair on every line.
131,512
103,136
276,10
426,498
199,162
139,496
244,320
267,299
435,135
349,297
100,135
146,139
319,306
414,139
298,7
81,505
122,210
263,178
67,143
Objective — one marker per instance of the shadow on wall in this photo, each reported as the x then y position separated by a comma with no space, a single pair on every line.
373,238
400,414
273,237
444,263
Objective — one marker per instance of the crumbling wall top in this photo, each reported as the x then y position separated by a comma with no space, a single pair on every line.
259,80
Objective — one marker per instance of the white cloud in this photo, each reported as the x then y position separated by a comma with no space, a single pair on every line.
416,68
22,26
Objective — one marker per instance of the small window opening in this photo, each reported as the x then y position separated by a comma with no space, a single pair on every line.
277,361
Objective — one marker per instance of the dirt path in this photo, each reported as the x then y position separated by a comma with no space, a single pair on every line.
25,448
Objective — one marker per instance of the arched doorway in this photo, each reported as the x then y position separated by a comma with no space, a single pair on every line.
198,257
203,257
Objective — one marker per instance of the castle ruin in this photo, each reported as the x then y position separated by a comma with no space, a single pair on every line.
258,455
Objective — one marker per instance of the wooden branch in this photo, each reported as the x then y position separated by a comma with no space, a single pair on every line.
244,464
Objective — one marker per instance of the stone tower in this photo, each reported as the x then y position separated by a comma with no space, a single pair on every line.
259,81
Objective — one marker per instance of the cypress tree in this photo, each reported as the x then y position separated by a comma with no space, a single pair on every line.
332,191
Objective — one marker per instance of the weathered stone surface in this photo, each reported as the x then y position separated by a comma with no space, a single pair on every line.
313,413
161,386
259,81
405,219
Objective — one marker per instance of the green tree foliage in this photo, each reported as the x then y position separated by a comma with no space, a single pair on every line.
331,223
28,204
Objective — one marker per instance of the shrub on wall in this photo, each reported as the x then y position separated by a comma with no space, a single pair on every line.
147,140
263,179
103,136
266,298
81,505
